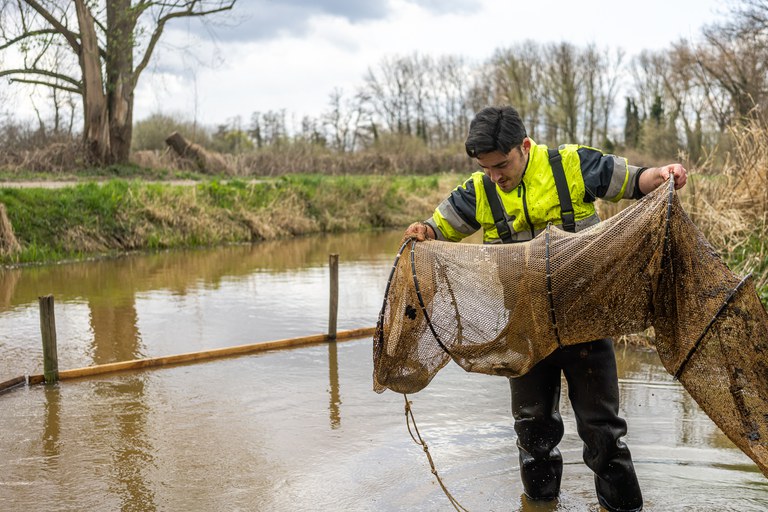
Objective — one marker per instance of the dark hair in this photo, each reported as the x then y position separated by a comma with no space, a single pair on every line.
494,129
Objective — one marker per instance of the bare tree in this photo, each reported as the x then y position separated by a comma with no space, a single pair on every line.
388,90
609,88
563,92
688,95
266,128
599,75
516,78
312,131
659,101
397,92
448,106
734,56
648,84
342,121
111,41
753,14
591,67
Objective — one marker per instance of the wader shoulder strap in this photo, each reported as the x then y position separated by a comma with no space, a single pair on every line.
566,206
499,219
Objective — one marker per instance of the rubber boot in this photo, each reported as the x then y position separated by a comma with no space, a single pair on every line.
539,427
594,393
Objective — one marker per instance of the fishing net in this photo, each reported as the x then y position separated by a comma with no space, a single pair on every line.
500,309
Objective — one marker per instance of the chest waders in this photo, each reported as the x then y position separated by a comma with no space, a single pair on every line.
536,398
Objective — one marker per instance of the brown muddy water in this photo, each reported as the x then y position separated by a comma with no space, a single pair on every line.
292,430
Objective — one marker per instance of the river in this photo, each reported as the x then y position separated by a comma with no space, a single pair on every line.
299,429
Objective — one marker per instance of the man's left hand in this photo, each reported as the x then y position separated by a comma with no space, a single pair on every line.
676,170
653,177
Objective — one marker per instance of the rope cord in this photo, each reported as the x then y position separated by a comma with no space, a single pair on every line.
552,316
380,322
409,419
695,346
671,187
421,300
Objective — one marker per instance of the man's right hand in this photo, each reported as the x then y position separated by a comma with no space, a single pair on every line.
420,231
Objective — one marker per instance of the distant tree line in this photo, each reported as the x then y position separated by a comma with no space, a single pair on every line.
683,99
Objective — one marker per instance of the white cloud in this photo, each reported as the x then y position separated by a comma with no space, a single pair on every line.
294,64
298,72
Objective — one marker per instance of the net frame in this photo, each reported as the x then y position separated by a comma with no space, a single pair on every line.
500,309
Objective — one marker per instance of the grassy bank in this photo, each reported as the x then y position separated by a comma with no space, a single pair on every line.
115,216
110,217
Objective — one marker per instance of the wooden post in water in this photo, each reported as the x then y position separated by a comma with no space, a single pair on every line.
48,330
333,310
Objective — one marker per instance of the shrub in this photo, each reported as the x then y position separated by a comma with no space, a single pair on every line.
150,133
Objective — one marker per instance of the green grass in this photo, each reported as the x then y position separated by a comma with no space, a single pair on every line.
126,172
117,215
752,257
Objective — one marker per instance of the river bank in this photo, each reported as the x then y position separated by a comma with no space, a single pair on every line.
105,218
56,221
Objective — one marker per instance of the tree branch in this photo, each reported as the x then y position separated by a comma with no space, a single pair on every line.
188,13
72,37
32,33
140,7
47,84
42,72
100,25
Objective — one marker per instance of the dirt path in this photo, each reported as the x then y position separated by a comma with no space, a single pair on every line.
63,184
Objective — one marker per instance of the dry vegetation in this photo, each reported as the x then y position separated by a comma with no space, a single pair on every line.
731,208
116,216
50,157
399,156
727,201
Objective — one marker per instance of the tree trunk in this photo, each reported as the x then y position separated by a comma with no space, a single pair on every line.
8,243
121,124
120,77
95,120
202,159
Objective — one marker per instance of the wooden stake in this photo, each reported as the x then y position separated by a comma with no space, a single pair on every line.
333,310
48,330
215,353
8,384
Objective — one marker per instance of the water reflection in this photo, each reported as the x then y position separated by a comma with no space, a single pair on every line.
178,271
333,390
125,431
115,330
180,301
253,433
51,428
647,385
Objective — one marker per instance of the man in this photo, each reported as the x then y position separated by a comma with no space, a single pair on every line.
522,188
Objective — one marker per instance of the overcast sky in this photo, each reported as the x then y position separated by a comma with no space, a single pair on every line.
290,54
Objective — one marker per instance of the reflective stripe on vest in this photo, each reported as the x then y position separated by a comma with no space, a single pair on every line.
541,196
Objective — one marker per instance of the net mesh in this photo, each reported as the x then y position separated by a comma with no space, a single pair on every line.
500,309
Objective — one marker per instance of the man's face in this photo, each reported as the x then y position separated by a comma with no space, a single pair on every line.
506,170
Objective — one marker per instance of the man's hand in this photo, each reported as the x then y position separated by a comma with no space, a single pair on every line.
420,231
653,177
